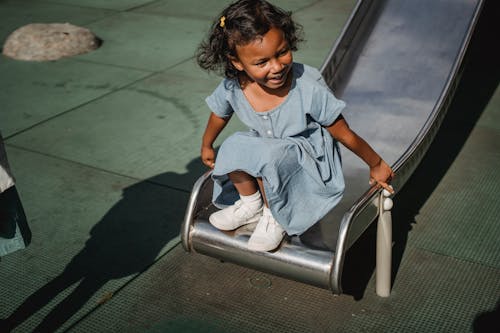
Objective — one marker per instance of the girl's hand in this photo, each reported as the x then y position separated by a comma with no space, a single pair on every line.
381,174
208,156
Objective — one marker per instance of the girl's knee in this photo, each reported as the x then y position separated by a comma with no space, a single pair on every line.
240,175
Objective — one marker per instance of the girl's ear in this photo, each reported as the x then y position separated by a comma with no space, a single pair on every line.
236,63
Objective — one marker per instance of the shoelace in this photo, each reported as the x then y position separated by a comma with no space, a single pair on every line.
243,211
269,222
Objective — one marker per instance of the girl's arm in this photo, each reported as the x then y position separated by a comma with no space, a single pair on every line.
380,172
215,125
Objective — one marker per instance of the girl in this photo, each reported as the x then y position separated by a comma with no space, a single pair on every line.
286,168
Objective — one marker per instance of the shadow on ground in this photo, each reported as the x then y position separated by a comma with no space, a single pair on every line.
478,83
124,243
488,322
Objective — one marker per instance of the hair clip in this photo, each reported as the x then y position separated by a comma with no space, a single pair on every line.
222,23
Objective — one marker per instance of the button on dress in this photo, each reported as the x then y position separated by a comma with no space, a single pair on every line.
288,147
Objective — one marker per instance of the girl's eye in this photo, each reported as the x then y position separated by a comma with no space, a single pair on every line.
283,52
261,63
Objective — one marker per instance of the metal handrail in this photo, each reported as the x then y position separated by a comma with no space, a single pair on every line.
191,209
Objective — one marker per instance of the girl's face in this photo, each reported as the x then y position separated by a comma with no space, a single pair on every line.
266,60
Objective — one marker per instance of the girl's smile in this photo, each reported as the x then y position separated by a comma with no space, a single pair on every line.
266,60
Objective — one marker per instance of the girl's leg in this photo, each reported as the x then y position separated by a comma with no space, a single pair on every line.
262,192
268,234
246,186
244,183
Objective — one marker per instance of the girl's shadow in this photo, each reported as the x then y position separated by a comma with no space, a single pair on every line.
125,242
478,83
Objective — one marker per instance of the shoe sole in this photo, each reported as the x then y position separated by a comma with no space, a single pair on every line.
262,248
251,220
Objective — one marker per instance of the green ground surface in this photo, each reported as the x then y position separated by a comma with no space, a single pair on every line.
104,147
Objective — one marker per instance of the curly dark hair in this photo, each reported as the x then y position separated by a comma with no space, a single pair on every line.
240,23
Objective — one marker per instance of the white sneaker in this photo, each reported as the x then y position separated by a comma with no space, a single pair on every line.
267,236
234,216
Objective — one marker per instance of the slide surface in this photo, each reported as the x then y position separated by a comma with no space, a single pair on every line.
396,83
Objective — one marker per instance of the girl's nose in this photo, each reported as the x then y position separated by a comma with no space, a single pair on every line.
276,66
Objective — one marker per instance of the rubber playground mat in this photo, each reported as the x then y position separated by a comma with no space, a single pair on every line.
96,264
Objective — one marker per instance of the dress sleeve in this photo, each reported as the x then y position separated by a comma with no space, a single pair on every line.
218,101
325,107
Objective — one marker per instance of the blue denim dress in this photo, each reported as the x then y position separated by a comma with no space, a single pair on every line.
297,158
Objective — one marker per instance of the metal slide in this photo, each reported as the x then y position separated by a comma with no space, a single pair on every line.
396,64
